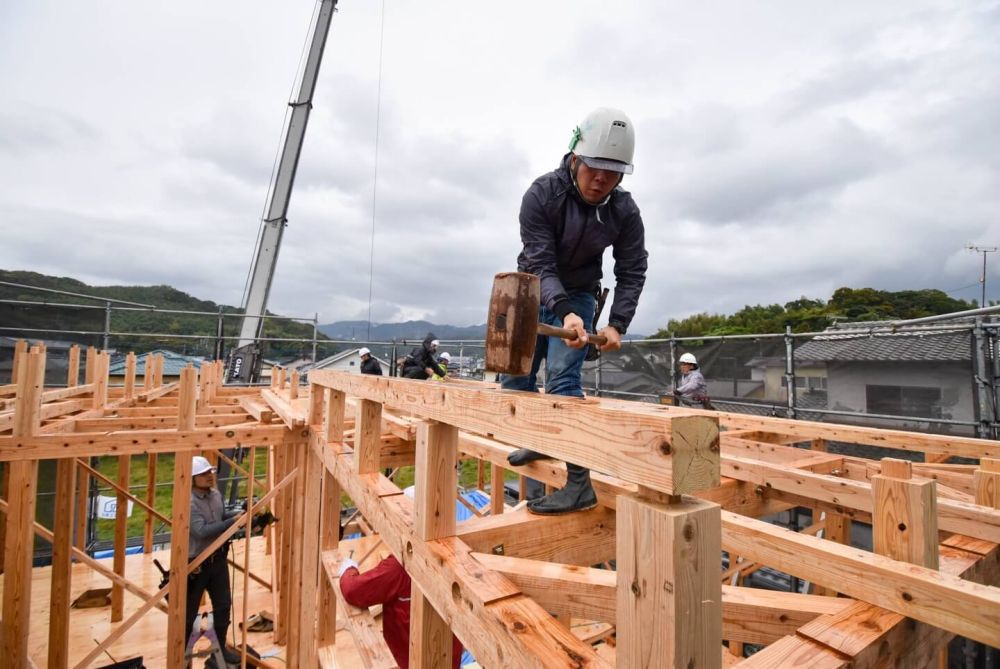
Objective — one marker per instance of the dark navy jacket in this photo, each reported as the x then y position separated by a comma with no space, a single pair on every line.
564,239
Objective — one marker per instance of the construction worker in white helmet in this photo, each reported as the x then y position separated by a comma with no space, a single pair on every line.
692,388
568,218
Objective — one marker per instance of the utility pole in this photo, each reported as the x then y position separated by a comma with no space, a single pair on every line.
984,250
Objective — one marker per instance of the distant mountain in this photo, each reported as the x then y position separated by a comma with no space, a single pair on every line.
410,331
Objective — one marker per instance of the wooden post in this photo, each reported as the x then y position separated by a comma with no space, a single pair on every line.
21,496
88,369
82,508
147,535
294,525
367,437
904,523
293,386
73,368
62,550
121,537
987,482
309,570
100,375
180,527
129,376
433,518
837,528
158,370
496,489
669,597
147,373
333,431
203,383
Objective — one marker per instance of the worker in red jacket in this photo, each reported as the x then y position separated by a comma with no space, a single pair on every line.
387,584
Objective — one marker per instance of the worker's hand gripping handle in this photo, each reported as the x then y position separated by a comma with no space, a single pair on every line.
550,331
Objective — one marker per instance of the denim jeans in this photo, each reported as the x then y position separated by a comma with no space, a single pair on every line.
563,365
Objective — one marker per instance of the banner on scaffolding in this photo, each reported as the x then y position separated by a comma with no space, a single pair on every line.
107,507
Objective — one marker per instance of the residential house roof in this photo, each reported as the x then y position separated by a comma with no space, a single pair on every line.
913,345
173,363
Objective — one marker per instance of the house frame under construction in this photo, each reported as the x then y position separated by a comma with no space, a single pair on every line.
676,487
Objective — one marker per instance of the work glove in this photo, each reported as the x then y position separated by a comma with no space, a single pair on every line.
262,520
346,564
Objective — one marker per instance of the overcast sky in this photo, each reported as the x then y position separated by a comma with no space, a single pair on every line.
784,148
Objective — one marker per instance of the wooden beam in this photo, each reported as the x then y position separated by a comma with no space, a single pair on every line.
669,602
62,550
675,455
21,497
945,601
283,408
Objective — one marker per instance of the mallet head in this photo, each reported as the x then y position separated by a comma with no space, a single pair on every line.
512,323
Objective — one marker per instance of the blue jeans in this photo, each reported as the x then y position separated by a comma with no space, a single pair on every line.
563,365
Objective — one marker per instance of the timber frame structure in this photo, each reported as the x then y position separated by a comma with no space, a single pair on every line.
677,487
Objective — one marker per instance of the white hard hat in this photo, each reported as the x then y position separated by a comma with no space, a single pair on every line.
200,465
605,140
446,356
435,342
688,358
363,351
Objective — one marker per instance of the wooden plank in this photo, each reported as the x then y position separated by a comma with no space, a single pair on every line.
21,497
942,600
284,409
669,594
637,447
496,489
62,564
312,478
368,437
181,514
121,536
257,408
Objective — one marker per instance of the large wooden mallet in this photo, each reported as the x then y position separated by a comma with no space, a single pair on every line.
512,324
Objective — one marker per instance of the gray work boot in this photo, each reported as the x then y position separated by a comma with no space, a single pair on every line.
523,456
577,495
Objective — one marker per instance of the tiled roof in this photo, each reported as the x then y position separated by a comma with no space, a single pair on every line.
888,347
173,363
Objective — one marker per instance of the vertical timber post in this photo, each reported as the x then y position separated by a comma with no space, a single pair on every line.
669,591
987,483
21,497
62,549
181,516
333,431
433,518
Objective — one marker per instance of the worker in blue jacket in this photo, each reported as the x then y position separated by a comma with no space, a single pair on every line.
568,218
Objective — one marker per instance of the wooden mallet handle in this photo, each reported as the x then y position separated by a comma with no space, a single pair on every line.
563,333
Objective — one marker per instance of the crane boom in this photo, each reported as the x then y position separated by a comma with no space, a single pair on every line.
244,361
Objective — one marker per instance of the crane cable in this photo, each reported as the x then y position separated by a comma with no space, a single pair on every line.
378,124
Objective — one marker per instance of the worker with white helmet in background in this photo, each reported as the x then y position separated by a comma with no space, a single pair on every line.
568,218
369,365
692,387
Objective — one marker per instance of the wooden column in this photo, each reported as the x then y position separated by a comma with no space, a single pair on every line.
100,373
496,489
129,376
987,482
309,569
837,527
73,368
62,550
434,517
669,598
82,508
293,385
904,523
148,373
367,437
21,495
88,369
333,430
121,537
294,522
181,515
147,535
